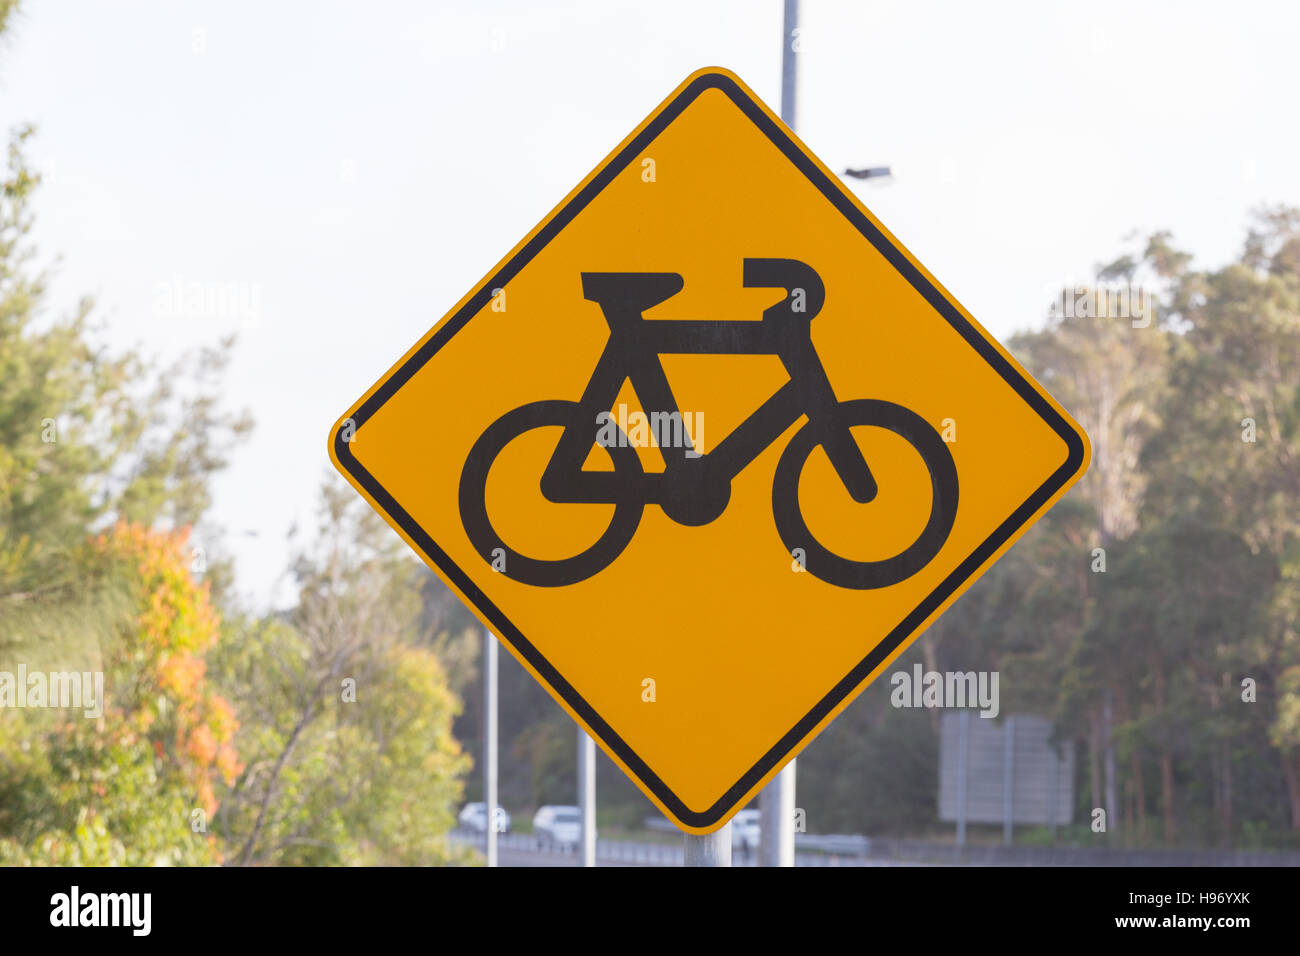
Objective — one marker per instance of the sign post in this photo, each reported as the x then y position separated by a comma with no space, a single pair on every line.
490,745
776,820
587,797
708,849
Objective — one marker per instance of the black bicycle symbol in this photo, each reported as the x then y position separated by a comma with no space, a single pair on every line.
694,489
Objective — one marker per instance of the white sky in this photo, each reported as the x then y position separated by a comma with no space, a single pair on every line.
364,164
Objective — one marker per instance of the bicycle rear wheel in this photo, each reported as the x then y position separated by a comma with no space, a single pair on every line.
866,575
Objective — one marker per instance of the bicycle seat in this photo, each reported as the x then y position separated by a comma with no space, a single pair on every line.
630,291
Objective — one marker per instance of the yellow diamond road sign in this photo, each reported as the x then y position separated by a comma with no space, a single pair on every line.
708,449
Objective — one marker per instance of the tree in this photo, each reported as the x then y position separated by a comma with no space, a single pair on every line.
137,784
83,441
1230,455
92,458
1105,364
348,743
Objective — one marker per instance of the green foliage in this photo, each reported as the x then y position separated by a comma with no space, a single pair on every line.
1200,532
123,787
84,438
89,438
347,736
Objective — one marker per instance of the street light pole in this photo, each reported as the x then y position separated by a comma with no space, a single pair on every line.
776,802
776,820
789,62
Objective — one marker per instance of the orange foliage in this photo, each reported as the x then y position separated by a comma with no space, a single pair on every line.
174,625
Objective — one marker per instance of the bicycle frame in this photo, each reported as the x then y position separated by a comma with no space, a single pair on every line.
632,352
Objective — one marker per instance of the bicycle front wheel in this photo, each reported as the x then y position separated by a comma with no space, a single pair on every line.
490,545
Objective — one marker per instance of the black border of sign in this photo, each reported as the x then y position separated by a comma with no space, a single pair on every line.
503,626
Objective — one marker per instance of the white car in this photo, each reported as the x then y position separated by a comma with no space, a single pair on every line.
559,827
745,831
474,817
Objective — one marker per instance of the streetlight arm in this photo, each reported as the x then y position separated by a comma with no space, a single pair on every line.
871,172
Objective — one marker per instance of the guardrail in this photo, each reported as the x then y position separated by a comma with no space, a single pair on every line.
856,850
636,853
628,852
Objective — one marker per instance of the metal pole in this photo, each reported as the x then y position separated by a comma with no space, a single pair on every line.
587,796
490,743
776,820
1112,800
1008,777
789,62
963,758
1056,783
711,849
776,802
